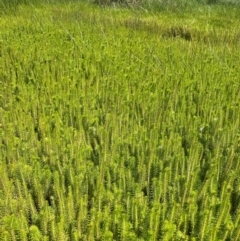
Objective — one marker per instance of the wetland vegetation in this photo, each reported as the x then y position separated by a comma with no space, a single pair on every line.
119,123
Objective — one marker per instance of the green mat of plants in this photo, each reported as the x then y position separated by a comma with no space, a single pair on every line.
119,124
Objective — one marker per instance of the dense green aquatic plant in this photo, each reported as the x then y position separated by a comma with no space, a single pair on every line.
118,127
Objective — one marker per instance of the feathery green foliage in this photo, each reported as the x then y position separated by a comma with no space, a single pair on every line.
118,124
